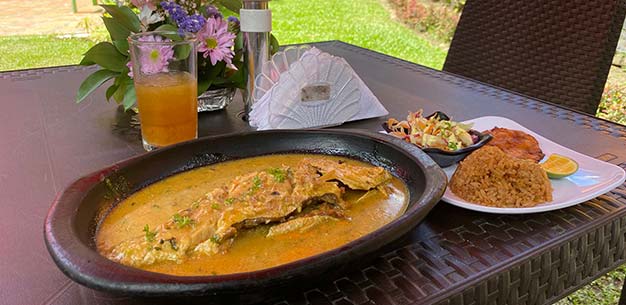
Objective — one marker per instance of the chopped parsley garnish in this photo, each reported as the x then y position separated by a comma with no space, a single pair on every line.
229,201
182,221
215,239
215,206
278,173
256,184
150,235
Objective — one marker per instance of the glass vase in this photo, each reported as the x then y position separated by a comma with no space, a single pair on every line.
215,99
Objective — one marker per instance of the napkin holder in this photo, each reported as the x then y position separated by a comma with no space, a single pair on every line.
303,87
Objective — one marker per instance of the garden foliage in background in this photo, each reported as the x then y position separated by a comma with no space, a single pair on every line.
613,104
437,17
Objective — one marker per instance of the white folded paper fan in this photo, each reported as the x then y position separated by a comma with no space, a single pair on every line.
272,69
303,87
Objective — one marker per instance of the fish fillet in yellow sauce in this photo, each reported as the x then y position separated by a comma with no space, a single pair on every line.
250,214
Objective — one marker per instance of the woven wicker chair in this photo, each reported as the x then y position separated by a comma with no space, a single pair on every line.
558,51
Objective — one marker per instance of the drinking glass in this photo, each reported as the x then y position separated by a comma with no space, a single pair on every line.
164,72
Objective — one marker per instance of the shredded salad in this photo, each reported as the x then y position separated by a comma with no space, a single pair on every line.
433,132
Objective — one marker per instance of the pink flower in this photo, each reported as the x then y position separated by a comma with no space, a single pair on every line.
129,64
216,42
154,55
140,3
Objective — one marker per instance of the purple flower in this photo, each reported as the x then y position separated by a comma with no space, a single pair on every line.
233,19
213,12
129,64
191,24
175,11
216,42
233,24
186,23
154,56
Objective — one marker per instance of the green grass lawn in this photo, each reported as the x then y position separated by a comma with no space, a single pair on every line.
22,52
364,23
603,291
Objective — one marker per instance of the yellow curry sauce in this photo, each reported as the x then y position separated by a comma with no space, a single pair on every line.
251,249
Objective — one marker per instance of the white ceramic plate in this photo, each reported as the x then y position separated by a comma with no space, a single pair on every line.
593,178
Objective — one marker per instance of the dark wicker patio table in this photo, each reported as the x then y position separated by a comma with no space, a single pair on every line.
455,256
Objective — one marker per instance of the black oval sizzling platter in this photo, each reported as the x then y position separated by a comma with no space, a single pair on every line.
71,222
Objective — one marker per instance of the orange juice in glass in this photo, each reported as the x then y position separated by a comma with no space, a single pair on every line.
164,73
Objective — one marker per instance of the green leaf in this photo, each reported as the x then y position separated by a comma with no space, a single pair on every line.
123,82
167,27
216,70
233,5
116,30
274,45
105,55
121,46
239,41
182,51
92,82
110,91
203,85
129,97
118,95
86,62
170,28
239,79
124,75
125,16
237,57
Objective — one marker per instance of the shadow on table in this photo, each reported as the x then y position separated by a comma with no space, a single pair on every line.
126,124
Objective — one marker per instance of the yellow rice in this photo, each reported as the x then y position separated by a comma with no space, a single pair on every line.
490,177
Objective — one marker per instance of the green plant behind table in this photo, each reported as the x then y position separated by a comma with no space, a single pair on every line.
613,105
220,57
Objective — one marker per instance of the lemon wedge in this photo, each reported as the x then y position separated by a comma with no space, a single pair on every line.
557,166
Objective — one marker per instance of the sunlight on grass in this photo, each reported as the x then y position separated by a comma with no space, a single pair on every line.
365,23
22,52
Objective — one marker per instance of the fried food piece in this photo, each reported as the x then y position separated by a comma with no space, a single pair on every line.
299,224
353,176
515,143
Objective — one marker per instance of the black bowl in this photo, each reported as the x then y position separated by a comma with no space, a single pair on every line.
446,158
71,223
